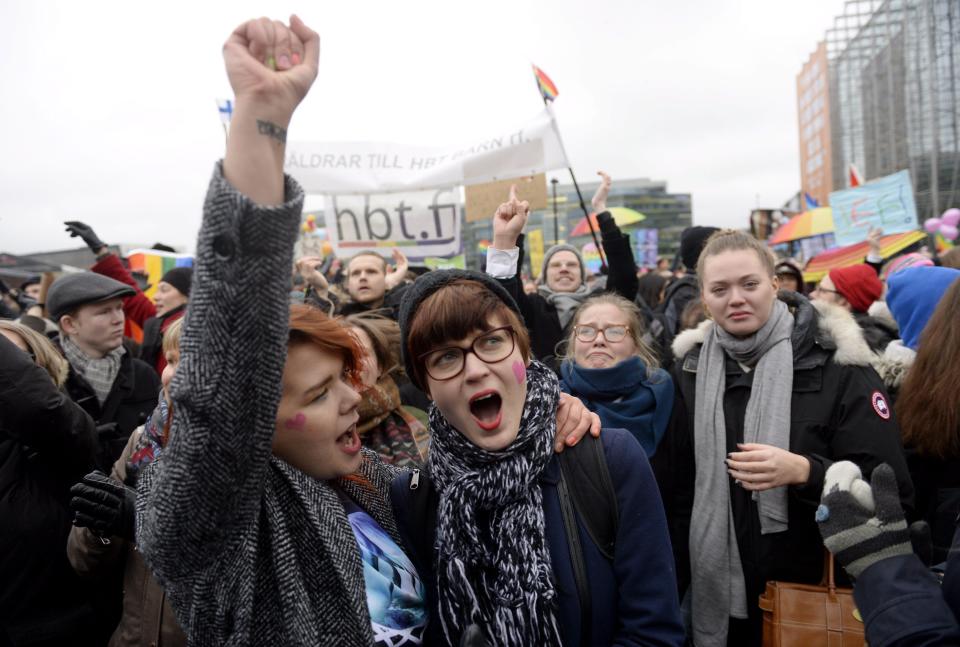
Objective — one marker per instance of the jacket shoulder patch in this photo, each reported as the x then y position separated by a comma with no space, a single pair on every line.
880,405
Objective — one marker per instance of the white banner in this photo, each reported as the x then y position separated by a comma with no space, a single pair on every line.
371,167
420,224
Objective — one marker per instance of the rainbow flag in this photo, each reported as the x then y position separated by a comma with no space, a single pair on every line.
547,89
155,264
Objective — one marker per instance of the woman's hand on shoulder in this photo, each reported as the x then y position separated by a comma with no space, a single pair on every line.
759,467
574,420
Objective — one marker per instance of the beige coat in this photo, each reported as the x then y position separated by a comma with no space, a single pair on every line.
147,619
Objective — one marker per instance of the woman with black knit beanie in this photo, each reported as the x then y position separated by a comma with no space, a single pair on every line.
488,528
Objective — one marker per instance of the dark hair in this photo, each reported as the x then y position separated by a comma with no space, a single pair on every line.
927,406
311,326
650,287
384,334
454,312
693,314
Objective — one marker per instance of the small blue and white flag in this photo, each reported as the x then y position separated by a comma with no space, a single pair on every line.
225,106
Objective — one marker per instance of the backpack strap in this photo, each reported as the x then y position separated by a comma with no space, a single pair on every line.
584,468
576,558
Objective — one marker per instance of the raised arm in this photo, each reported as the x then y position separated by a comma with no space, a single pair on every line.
208,482
622,277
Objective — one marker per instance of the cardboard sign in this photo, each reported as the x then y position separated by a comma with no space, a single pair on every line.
380,167
886,203
420,224
482,200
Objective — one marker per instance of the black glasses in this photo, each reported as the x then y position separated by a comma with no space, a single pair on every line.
820,289
612,334
489,347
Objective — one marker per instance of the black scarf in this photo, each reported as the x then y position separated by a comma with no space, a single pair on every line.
496,573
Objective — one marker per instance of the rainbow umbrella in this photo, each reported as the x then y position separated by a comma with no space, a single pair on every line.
621,215
809,223
855,254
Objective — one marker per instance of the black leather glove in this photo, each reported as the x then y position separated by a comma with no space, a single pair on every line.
89,236
104,506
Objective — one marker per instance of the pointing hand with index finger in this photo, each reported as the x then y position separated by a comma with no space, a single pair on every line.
509,220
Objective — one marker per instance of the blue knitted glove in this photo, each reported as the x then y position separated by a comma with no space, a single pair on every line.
860,524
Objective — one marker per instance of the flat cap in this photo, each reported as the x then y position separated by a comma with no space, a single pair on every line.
74,290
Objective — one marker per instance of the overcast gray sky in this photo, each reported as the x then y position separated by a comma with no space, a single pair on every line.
110,115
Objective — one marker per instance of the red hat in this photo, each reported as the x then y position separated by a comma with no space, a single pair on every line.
858,284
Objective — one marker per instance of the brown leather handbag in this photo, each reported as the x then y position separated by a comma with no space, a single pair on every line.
808,615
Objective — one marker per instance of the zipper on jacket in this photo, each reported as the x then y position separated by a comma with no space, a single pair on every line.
415,480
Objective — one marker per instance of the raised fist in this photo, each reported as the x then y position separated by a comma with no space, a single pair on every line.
271,62
599,201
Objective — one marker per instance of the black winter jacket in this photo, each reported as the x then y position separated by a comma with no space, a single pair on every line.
839,411
130,403
47,443
390,307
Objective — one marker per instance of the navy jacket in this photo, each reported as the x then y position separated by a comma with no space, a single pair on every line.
903,605
634,598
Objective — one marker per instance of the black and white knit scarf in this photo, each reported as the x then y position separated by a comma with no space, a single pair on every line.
99,373
492,560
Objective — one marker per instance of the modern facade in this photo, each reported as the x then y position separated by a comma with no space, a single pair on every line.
893,97
813,108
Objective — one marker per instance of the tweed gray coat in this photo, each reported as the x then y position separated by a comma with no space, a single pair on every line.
251,550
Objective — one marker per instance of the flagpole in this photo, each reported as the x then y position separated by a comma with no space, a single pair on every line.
583,204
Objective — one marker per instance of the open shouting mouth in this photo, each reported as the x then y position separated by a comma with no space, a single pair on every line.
485,407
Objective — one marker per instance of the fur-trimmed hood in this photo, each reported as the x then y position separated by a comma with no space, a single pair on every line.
834,324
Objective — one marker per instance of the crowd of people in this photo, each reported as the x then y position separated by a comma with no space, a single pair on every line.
307,452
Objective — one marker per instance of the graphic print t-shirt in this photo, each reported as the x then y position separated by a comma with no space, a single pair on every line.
395,593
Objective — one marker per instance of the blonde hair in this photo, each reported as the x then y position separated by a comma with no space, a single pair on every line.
45,354
171,337
731,240
636,328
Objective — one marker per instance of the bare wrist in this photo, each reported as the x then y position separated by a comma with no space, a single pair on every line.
504,243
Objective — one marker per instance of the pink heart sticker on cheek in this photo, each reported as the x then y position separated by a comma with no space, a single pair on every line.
520,372
296,422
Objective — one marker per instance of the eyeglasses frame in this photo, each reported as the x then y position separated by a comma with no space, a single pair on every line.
469,349
601,331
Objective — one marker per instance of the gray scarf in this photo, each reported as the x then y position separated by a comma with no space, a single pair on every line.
566,303
99,373
718,586
493,564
